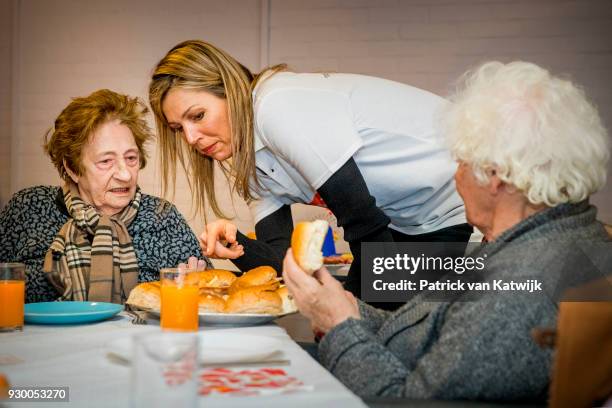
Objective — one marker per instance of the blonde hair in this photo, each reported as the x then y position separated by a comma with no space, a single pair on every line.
538,132
202,66
80,119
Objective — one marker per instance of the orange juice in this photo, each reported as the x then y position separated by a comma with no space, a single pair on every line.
12,293
179,307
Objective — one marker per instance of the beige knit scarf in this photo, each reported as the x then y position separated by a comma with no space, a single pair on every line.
92,257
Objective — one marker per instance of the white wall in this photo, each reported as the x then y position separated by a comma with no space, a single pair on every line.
429,43
6,41
66,48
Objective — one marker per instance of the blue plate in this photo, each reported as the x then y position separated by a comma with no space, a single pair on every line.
69,312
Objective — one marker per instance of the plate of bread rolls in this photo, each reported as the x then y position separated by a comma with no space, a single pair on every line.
256,297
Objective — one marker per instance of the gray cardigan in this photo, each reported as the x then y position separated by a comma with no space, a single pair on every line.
30,221
468,350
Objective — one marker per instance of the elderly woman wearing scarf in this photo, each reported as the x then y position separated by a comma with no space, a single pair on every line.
98,235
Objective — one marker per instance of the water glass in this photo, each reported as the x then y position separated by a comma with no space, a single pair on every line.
164,370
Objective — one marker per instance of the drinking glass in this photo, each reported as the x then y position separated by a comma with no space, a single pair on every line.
164,370
12,295
179,299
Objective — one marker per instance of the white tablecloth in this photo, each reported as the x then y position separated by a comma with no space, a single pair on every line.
75,356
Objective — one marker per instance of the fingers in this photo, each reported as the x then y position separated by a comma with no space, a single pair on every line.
214,232
203,238
323,276
286,277
234,251
196,264
204,244
301,298
290,269
192,262
326,279
211,238
204,248
289,260
230,232
299,279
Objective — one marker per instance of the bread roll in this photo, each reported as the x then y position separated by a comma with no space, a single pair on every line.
213,291
216,278
146,295
263,275
211,304
271,286
254,300
258,276
252,293
306,243
288,303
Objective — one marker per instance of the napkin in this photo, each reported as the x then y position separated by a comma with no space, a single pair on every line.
263,381
216,349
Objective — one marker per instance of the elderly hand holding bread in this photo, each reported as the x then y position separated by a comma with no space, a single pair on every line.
317,294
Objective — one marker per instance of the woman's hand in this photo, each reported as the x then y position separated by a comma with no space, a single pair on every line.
193,263
321,298
212,239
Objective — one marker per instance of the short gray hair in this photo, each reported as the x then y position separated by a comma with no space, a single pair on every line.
539,132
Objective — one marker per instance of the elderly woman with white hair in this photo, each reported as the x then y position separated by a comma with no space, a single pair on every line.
531,150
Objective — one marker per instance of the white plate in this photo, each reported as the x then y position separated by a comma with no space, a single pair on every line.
231,319
217,347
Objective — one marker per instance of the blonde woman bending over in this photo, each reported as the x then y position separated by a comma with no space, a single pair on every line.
364,147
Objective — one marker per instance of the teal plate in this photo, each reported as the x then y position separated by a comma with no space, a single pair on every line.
69,312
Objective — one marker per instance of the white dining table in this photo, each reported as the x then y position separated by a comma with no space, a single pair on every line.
75,356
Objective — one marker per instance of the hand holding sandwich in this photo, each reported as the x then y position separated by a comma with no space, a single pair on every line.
320,297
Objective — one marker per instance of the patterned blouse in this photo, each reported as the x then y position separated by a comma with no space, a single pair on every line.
33,216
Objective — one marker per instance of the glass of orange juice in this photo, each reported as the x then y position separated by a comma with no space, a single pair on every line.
179,299
12,295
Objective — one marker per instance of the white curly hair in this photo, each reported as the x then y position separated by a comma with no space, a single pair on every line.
537,131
